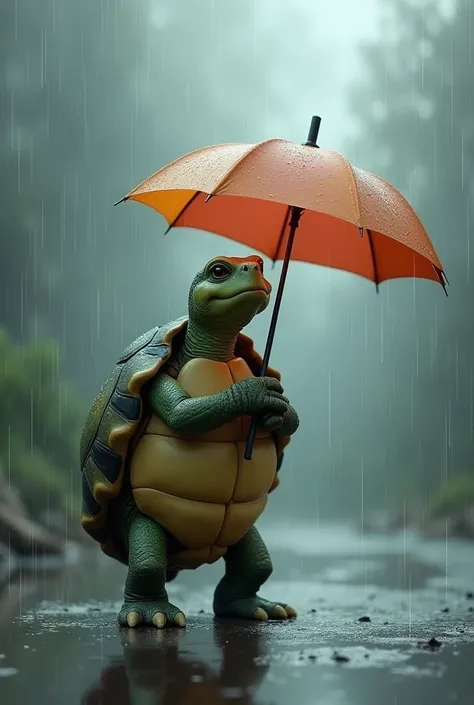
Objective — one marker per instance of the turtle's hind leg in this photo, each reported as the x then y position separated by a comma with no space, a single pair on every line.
248,567
146,600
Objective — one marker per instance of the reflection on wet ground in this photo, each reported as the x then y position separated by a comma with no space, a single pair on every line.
156,664
59,642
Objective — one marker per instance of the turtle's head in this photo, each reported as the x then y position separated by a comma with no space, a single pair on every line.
228,293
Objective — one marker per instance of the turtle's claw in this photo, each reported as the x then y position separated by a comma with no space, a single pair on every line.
180,620
133,619
159,620
147,614
280,612
253,608
260,615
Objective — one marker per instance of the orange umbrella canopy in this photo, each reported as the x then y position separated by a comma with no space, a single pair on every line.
351,219
298,202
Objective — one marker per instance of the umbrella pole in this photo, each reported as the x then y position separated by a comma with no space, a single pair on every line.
294,221
296,212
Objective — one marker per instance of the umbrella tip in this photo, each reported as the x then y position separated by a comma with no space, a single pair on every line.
313,132
120,201
443,280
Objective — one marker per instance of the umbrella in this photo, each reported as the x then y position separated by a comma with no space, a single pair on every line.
261,194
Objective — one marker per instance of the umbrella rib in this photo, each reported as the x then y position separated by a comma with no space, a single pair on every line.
182,211
442,278
282,233
252,148
172,163
356,189
374,261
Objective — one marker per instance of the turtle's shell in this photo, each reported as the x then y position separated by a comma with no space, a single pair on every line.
114,422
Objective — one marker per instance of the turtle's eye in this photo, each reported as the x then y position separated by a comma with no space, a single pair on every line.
219,271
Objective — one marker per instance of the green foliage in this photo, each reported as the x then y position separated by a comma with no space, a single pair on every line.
458,492
40,419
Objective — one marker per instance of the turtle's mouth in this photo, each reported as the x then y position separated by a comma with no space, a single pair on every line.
253,290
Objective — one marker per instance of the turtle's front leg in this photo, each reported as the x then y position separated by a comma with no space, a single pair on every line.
146,600
248,567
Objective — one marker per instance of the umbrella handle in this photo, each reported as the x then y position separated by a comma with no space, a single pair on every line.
250,439
294,221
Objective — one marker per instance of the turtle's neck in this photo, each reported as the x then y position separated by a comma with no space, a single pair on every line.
213,345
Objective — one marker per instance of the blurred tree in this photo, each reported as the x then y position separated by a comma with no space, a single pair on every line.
455,495
58,62
94,96
416,104
40,420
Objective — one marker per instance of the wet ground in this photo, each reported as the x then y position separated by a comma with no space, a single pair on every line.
59,643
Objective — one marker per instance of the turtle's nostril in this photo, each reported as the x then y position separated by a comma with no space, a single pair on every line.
245,268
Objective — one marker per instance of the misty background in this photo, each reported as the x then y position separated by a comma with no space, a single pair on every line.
98,94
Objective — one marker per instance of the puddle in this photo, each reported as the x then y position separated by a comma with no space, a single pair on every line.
350,657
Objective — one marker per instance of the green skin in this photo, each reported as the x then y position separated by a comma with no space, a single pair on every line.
224,297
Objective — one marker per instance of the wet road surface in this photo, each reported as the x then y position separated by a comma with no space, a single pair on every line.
59,643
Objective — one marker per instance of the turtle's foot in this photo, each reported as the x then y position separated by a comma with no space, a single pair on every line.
159,613
252,608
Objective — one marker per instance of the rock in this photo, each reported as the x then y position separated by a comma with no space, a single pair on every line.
9,495
364,619
340,658
26,537
18,531
431,645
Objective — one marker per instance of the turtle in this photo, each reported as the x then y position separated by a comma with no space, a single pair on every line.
165,484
